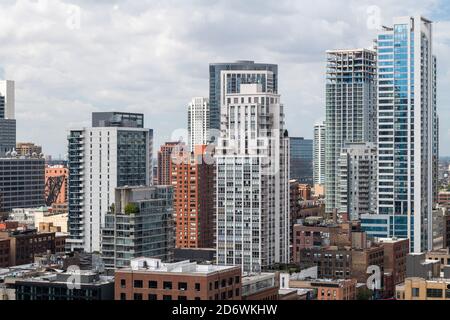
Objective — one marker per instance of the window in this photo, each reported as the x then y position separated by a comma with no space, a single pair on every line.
224,283
182,286
153,284
138,296
236,279
167,285
230,294
182,298
167,297
216,285
415,292
230,281
197,298
434,293
123,296
152,297
237,292
197,287
138,284
223,296
123,283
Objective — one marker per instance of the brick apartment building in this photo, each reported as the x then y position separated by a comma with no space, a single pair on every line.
4,253
151,279
24,245
164,176
193,182
335,290
395,253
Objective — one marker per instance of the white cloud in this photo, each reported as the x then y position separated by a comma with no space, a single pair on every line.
152,56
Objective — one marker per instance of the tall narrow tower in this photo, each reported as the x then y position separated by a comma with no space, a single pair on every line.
252,185
350,110
407,136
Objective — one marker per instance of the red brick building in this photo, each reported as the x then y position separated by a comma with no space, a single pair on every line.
193,182
24,245
151,279
336,289
165,163
395,253
4,253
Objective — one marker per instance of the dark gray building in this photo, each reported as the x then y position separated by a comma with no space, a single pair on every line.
7,121
7,135
77,285
269,85
301,159
117,119
139,224
418,266
22,182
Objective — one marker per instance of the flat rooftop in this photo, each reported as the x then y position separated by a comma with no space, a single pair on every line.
152,265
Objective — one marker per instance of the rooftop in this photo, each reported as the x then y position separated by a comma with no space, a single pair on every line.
144,264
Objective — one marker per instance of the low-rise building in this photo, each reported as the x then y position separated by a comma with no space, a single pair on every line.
24,245
342,289
395,252
263,286
4,252
73,285
423,289
152,279
442,255
417,265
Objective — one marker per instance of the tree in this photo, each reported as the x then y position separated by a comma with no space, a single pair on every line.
131,208
364,294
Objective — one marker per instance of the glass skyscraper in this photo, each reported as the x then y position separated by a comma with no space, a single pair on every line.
407,142
301,163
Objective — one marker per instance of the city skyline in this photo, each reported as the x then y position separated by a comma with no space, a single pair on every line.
56,89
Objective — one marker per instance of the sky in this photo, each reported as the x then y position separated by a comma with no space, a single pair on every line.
72,57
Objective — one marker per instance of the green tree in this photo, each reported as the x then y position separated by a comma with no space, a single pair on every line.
131,208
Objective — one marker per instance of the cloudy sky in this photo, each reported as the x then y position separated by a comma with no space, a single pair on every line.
72,57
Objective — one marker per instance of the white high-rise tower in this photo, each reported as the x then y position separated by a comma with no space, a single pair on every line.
198,122
252,162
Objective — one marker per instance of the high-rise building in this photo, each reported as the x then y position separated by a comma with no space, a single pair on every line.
100,160
319,153
165,162
301,159
243,74
193,182
350,110
198,122
252,180
7,117
22,181
358,179
407,142
139,224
